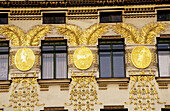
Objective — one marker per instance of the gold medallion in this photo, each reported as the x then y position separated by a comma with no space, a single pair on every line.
141,57
24,59
83,58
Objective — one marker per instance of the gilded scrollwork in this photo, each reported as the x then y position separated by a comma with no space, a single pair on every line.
24,95
83,94
134,36
143,92
19,37
76,36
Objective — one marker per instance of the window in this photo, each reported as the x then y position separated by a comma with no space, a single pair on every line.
3,18
112,61
54,18
54,59
110,17
114,108
163,47
4,53
54,109
163,15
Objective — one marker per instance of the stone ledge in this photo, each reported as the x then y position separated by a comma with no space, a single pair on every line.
122,82
5,85
45,83
163,82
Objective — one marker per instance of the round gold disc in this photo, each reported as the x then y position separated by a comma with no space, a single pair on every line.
24,59
141,57
83,58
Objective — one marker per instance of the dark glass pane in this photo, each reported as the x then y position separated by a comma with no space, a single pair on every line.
60,48
59,20
3,18
48,20
104,47
118,64
61,65
163,15
3,66
48,66
47,48
110,17
4,49
54,18
163,46
118,46
105,64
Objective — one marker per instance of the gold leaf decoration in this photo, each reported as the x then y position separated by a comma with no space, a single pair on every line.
13,33
75,35
36,34
146,36
71,32
18,36
91,35
150,31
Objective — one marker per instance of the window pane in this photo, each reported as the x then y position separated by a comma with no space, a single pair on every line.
3,18
3,67
59,48
61,65
164,67
48,66
117,46
47,48
105,64
104,47
163,46
4,49
118,64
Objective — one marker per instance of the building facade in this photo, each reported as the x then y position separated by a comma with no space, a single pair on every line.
85,55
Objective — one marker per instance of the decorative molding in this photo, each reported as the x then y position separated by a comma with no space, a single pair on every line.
111,37
139,10
82,11
164,35
5,85
163,82
122,82
81,17
44,84
139,16
25,18
54,38
25,12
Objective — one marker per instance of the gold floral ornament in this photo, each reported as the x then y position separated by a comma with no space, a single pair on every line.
76,36
24,59
141,57
18,36
133,36
83,58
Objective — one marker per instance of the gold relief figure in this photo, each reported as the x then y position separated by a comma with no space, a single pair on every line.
141,57
83,57
134,36
24,59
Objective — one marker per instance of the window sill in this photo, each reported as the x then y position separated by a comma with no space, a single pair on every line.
122,82
45,83
5,85
163,82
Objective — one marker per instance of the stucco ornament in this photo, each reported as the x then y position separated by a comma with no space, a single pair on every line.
83,58
141,57
24,59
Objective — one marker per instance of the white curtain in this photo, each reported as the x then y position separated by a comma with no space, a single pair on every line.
61,65
4,67
48,66
164,63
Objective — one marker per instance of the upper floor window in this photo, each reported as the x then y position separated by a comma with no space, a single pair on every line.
110,17
112,59
3,18
163,15
4,53
163,47
54,18
54,109
54,59
114,108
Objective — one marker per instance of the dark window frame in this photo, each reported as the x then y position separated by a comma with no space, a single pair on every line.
5,44
163,13
54,52
53,16
112,42
110,15
162,41
5,16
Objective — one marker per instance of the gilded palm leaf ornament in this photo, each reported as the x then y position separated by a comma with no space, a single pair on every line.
76,36
134,36
19,37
